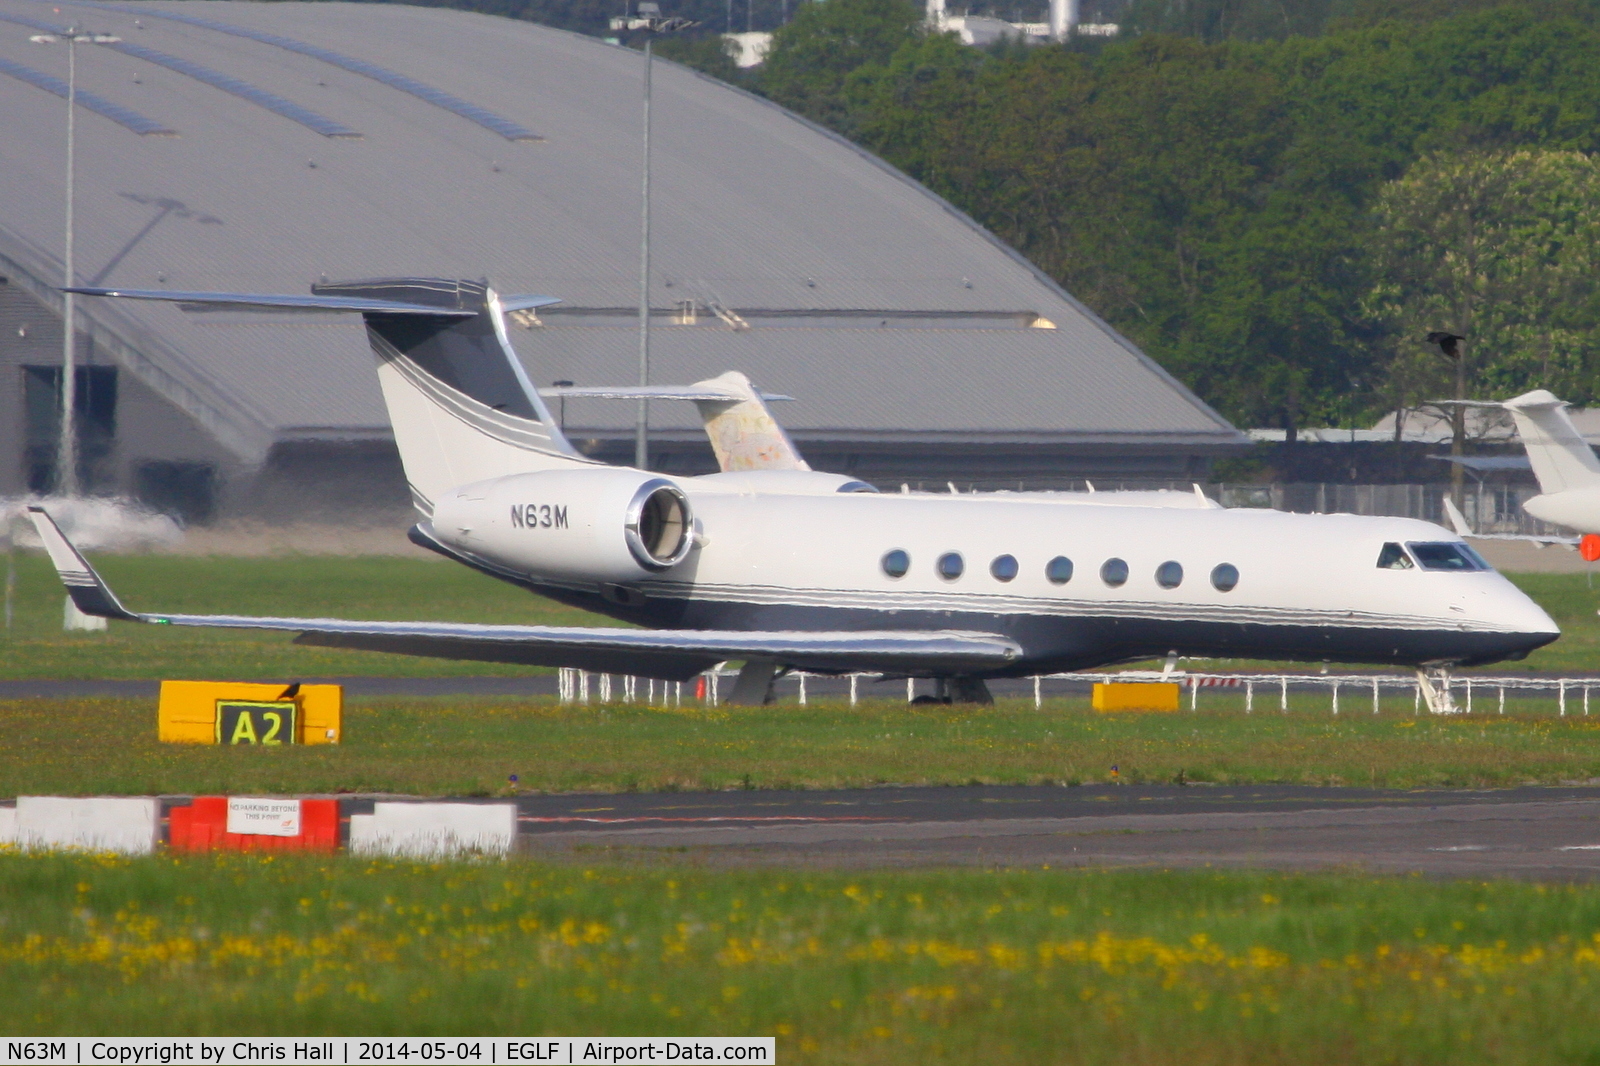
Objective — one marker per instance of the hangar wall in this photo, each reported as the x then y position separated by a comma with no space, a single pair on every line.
133,442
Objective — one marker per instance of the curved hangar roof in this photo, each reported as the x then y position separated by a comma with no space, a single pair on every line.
257,147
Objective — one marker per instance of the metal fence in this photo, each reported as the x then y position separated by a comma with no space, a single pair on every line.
1490,507
1347,693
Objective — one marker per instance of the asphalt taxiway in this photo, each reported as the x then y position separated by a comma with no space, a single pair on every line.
1543,833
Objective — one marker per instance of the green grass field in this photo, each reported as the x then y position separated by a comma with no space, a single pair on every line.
472,747
401,588
309,586
1016,966
1013,966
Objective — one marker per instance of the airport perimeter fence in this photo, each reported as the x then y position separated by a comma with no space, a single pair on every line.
1346,693
1490,506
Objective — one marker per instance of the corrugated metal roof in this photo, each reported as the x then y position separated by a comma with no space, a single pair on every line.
216,79
51,84
753,208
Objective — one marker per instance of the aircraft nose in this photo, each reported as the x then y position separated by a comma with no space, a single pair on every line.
1523,620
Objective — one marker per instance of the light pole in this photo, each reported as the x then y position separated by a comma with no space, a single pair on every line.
641,428
67,449
649,20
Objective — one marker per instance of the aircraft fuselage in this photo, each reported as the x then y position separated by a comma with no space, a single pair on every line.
1307,587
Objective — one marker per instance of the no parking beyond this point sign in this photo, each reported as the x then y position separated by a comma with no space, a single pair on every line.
264,817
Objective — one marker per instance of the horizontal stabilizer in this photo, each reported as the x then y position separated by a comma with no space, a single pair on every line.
274,302
674,654
697,393
1459,523
526,303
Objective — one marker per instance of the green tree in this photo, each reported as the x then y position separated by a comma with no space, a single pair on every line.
1496,248
708,54
1501,248
812,57
1209,200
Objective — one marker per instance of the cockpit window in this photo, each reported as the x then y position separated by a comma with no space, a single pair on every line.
1445,555
1393,557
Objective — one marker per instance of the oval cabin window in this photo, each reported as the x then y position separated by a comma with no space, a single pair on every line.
951,565
1224,577
1114,572
1169,575
1004,568
1058,570
896,563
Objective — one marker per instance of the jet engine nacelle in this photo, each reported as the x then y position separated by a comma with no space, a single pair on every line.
1576,509
602,524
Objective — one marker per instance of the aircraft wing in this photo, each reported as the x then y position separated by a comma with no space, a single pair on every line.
1458,522
674,655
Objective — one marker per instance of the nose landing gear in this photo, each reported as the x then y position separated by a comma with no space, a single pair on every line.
1436,692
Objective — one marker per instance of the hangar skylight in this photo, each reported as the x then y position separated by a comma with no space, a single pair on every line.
93,101
271,101
506,128
260,97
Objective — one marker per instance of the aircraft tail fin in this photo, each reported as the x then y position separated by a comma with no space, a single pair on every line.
1560,457
461,405
460,402
743,433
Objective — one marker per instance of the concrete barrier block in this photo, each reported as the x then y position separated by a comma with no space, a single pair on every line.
426,830
99,823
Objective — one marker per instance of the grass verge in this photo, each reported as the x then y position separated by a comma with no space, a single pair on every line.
471,747
1015,966
309,586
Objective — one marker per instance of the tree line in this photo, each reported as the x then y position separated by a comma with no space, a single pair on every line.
1281,221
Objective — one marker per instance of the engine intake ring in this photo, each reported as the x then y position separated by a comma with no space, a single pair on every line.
659,527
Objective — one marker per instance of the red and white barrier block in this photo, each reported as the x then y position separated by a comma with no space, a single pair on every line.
131,826
434,830
247,823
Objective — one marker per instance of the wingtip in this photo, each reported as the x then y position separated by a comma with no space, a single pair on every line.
88,590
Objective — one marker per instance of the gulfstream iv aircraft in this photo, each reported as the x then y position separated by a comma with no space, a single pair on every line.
781,567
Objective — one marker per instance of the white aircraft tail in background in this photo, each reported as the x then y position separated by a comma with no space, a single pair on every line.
743,433
1563,463
1562,460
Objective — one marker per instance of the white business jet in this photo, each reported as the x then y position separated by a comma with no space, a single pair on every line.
781,567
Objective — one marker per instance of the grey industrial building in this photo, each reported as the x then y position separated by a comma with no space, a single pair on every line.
225,145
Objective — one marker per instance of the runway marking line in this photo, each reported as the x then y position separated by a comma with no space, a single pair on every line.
557,819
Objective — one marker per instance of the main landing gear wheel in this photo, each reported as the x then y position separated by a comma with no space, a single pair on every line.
957,690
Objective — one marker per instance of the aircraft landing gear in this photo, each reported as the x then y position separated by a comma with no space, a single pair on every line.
1436,694
958,690
754,686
